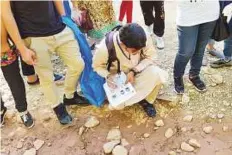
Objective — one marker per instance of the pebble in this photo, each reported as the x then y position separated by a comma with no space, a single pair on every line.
129,126
19,145
81,130
49,144
119,150
169,133
156,128
92,122
31,151
220,116
208,129
146,135
194,143
184,129
226,103
172,153
124,142
108,147
186,147
159,123
38,144
188,118
225,128
114,134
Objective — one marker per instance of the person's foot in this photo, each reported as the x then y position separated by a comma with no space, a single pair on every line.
148,108
62,114
198,83
159,42
179,85
3,114
27,119
33,80
213,52
57,79
76,100
221,63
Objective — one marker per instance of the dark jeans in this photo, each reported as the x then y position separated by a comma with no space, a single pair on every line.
228,44
14,79
158,20
27,69
192,43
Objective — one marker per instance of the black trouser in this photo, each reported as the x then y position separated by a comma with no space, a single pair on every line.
15,81
158,20
27,69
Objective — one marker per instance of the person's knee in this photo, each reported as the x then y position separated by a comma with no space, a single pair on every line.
77,65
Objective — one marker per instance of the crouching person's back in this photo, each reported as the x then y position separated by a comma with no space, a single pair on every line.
135,57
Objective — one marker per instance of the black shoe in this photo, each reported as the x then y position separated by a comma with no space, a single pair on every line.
3,114
198,83
221,63
179,85
76,100
148,108
27,120
62,114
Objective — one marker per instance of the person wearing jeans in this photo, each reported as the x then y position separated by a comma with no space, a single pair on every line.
227,51
157,22
36,36
195,27
11,72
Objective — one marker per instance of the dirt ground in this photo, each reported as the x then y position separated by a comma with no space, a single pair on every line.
213,108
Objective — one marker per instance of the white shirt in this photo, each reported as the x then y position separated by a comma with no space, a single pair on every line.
195,13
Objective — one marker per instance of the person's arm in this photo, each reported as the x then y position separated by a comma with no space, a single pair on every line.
12,29
59,7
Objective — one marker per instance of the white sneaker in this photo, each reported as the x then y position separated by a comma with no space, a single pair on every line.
149,29
159,42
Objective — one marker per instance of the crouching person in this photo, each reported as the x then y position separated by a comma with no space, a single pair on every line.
135,56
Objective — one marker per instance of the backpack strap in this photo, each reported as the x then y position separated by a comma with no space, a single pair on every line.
111,51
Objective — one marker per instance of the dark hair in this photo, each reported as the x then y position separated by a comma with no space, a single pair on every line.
133,36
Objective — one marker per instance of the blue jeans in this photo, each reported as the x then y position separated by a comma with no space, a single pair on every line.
192,43
228,44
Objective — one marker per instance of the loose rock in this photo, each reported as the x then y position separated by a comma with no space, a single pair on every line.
119,150
114,134
49,144
124,142
188,118
184,129
19,145
226,103
38,144
92,122
220,116
108,147
186,147
169,133
217,78
156,128
31,151
208,129
225,128
81,130
194,143
172,153
146,135
159,123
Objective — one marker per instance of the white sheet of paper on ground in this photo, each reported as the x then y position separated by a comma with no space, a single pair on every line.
117,97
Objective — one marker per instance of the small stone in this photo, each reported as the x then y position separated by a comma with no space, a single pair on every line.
178,151
225,128
169,133
208,129
186,147
114,134
46,118
129,126
49,144
226,103
19,145
172,153
124,142
119,150
185,99
159,123
31,151
188,118
108,147
213,116
184,129
38,144
117,127
156,128
81,130
146,135
220,116
194,143
92,122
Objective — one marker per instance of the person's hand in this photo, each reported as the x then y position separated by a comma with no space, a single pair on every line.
77,17
110,81
227,11
28,56
130,77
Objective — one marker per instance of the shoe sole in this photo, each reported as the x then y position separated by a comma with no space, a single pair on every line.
220,66
177,92
33,124
201,91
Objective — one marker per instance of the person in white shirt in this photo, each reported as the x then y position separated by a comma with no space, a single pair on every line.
195,23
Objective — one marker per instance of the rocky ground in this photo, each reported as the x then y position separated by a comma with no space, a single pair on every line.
192,124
